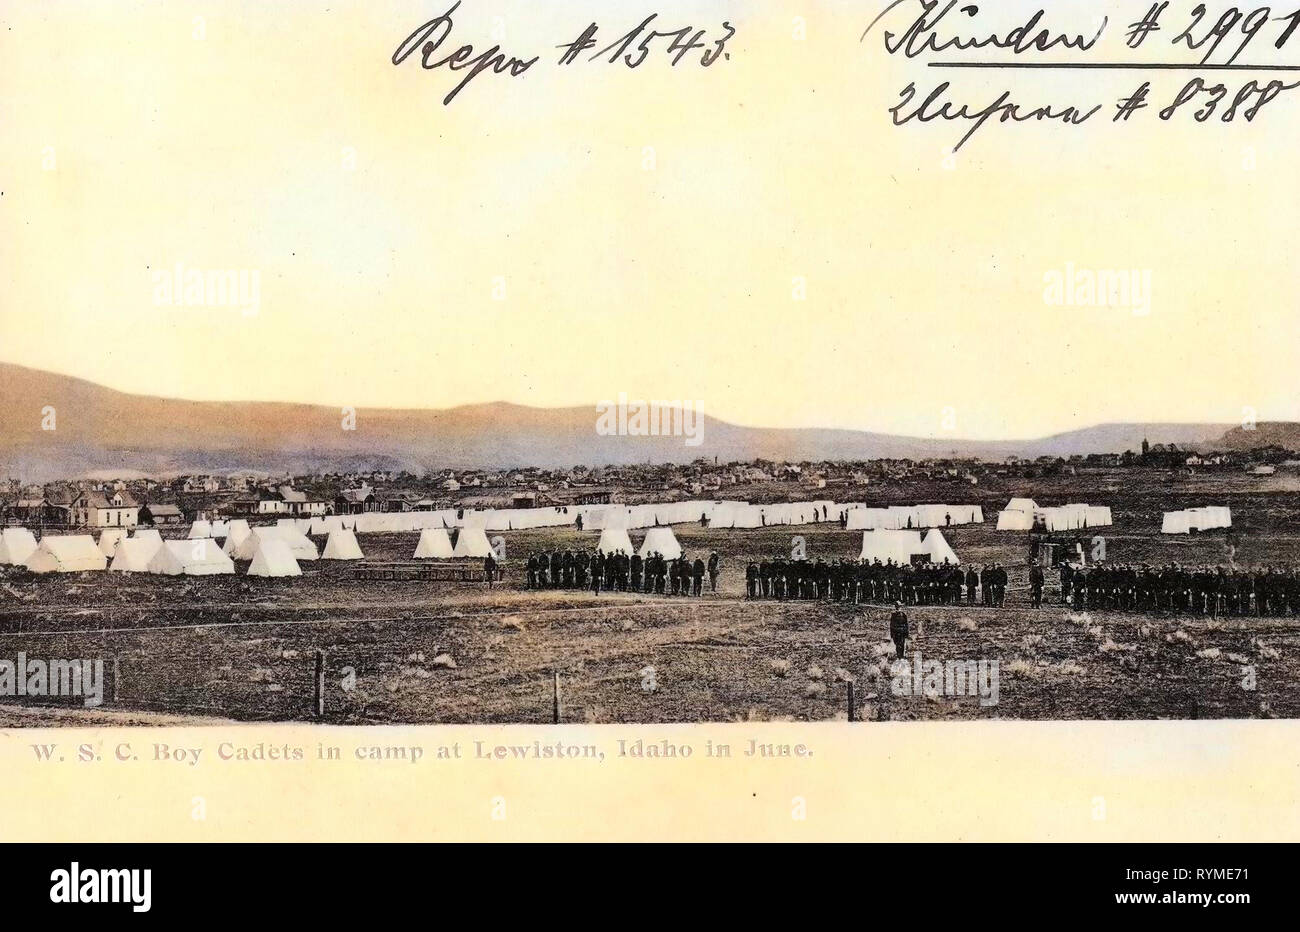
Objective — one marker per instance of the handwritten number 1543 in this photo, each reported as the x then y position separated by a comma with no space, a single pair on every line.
633,52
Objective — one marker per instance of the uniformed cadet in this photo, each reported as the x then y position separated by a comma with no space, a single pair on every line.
1036,586
898,629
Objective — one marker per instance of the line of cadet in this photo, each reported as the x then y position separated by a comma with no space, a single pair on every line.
1199,590
620,572
874,581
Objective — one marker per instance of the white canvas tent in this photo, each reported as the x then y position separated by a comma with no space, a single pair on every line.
471,542
434,545
320,526
1073,517
1098,516
299,545
68,554
108,539
273,558
615,540
342,545
1014,519
237,530
133,555
663,541
16,545
199,557
936,545
902,517
1174,522
200,528
148,534
887,544
1196,519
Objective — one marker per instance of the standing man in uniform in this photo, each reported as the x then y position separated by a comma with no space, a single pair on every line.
1036,586
898,629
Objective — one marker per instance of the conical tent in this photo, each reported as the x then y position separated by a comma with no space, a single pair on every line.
471,542
615,540
434,544
299,545
237,531
342,545
133,555
1015,520
16,545
108,540
199,557
273,558
936,545
70,554
663,541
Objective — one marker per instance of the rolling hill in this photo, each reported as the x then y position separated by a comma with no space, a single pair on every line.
102,431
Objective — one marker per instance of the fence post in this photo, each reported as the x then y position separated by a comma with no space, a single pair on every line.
555,709
319,706
852,704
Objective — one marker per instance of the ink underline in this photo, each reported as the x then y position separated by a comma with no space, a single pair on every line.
1116,66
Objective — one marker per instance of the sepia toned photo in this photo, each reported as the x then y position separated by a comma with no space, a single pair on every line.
456,419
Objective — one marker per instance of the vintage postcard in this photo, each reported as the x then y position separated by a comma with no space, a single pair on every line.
741,408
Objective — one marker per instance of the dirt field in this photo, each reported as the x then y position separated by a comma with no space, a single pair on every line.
240,648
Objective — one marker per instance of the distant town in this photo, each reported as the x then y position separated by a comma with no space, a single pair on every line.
128,502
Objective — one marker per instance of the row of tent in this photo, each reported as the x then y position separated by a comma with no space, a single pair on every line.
902,517
1022,514
720,514
1196,519
271,552
435,544
660,540
900,546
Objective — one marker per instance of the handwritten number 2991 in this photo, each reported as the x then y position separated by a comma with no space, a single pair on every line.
633,53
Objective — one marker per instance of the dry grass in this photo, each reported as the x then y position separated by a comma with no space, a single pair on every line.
494,653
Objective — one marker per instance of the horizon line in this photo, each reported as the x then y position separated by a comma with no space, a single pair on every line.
929,438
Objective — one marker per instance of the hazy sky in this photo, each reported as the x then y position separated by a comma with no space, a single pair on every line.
647,227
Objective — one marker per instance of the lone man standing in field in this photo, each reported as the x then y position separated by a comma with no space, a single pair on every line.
1036,586
898,629
714,563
